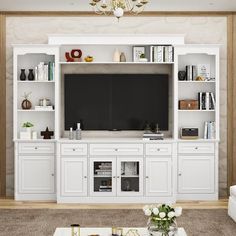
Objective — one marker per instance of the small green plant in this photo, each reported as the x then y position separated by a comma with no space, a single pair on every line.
27,125
142,55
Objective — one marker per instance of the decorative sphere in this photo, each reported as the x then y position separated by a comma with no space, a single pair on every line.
118,12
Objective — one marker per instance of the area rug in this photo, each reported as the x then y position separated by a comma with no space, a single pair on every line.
43,222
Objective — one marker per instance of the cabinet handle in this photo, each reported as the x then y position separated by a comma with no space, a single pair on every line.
180,174
116,149
147,177
158,149
85,177
114,177
73,149
117,177
35,148
52,174
196,148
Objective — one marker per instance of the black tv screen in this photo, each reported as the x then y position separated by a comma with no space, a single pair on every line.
116,101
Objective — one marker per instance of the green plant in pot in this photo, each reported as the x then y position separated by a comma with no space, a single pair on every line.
28,126
143,58
162,219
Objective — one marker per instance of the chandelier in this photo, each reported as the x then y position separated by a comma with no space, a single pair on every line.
118,7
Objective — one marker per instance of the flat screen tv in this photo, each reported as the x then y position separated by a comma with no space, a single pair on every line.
116,101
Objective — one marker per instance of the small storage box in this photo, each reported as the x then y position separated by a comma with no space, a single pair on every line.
188,105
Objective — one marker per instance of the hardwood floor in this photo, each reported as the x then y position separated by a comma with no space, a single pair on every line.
11,204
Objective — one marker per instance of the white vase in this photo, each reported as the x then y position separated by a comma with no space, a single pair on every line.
28,129
116,56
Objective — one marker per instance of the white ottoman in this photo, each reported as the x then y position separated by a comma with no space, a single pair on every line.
232,203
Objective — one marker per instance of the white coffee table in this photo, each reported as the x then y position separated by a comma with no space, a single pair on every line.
106,231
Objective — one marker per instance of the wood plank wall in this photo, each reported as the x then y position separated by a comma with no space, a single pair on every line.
2,105
231,16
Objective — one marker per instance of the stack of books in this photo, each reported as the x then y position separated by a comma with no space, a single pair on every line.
105,188
104,169
209,130
44,108
162,54
45,71
206,101
153,136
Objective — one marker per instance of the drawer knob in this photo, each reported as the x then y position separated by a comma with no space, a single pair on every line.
114,177
52,174
73,149
118,177
147,177
196,148
35,148
158,149
180,174
116,149
85,177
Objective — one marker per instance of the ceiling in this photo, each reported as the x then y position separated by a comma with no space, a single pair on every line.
82,5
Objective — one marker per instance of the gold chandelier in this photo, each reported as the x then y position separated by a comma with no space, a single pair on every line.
118,7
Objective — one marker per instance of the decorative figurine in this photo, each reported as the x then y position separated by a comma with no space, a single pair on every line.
74,55
88,59
26,104
47,134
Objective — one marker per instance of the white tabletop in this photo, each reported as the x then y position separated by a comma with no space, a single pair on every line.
107,231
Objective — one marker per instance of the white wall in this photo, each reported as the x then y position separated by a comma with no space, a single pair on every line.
197,30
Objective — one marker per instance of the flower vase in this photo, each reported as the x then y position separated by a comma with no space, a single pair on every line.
31,74
162,227
22,75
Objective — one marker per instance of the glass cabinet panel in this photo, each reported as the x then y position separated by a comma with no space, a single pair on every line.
103,178
130,177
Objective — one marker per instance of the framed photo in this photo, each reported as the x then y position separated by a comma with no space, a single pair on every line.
137,52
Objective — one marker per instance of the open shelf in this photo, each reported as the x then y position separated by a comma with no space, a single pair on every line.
35,81
196,110
195,81
116,63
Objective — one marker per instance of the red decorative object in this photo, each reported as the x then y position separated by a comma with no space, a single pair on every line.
74,55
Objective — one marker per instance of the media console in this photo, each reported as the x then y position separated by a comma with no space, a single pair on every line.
114,167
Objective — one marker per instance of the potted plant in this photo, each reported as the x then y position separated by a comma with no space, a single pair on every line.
28,126
143,58
162,219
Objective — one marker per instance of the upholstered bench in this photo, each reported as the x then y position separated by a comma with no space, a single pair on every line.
232,203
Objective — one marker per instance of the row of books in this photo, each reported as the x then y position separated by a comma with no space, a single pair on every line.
162,54
193,71
105,188
206,101
45,71
209,130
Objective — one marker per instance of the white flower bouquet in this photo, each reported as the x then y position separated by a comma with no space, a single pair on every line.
162,219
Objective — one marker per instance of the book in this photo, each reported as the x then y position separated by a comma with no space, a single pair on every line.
207,101
213,101
205,129
160,53
189,74
194,72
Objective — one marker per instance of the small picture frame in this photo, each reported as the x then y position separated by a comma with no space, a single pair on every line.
137,52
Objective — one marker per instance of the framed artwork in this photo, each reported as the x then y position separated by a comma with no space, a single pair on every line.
137,52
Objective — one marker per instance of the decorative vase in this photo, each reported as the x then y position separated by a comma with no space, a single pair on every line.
28,129
122,57
26,104
116,57
22,75
31,75
162,227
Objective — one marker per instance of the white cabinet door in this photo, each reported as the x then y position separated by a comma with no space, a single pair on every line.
196,174
158,176
103,176
129,176
74,176
36,174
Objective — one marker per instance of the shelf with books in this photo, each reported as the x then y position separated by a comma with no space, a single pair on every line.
33,110
116,63
35,81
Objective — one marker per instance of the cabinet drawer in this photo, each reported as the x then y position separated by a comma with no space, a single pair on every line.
34,148
73,149
196,148
158,149
116,149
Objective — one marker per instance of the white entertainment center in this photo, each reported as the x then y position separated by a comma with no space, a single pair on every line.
67,170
